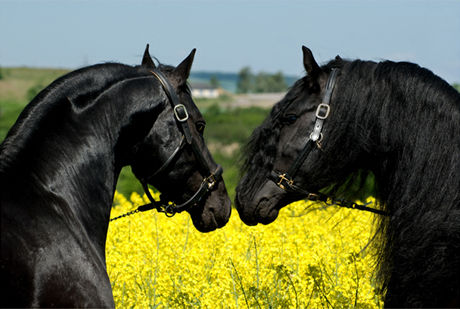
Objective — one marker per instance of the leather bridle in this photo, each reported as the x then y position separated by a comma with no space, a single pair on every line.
286,180
187,140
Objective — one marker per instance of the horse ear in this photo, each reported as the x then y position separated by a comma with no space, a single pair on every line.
309,63
147,60
182,71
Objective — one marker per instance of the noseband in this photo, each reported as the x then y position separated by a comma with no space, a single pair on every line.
209,182
286,180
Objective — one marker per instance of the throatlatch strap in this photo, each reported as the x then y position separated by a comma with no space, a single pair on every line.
169,161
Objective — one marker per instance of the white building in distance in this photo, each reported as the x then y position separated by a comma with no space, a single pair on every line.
204,90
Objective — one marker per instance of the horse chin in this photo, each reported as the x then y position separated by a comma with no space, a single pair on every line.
266,212
264,208
214,213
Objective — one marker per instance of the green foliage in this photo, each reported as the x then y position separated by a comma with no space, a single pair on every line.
17,82
262,82
128,183
1,73
214,82
9,112
227,131
204,103
230,163
244,84
232,126
265,82
457,86
44,76
33,91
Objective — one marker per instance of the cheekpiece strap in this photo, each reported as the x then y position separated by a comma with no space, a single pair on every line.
323,110
180,111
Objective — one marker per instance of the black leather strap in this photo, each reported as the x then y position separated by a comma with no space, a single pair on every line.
208,183
206,186
179,110
168,162
301,158
286,180
322,113
323,110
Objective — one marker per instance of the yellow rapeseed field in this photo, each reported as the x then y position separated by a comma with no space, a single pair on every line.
305,259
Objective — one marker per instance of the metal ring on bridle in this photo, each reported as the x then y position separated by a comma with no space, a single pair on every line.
176,112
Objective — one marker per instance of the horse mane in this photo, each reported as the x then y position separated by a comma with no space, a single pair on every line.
406,123
413,151
74,91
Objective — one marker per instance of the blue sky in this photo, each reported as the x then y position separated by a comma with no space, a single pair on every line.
265,35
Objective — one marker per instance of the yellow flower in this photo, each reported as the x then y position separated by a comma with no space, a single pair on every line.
305,258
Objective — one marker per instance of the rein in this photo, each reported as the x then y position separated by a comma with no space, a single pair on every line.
208,183
286,180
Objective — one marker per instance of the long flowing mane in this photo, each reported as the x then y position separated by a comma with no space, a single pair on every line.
413,150
400,123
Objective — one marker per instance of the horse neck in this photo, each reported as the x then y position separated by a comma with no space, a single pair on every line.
409,127
72,160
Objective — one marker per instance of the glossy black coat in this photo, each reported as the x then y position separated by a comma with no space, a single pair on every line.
59,166
399,122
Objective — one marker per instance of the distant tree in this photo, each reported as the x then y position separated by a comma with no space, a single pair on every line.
245,77
1,73
279,82
214,82
265,82
262,82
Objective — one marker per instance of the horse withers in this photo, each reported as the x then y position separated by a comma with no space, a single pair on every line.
349,119
59,166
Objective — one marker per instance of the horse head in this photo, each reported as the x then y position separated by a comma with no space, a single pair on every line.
275,146
173,156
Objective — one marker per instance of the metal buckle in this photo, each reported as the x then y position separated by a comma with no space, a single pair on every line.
211,180
326,113
282,177
176,113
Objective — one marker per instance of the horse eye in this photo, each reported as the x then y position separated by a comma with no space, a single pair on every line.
200,125
289,119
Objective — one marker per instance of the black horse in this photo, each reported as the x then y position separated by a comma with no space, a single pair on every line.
60,162
349,119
